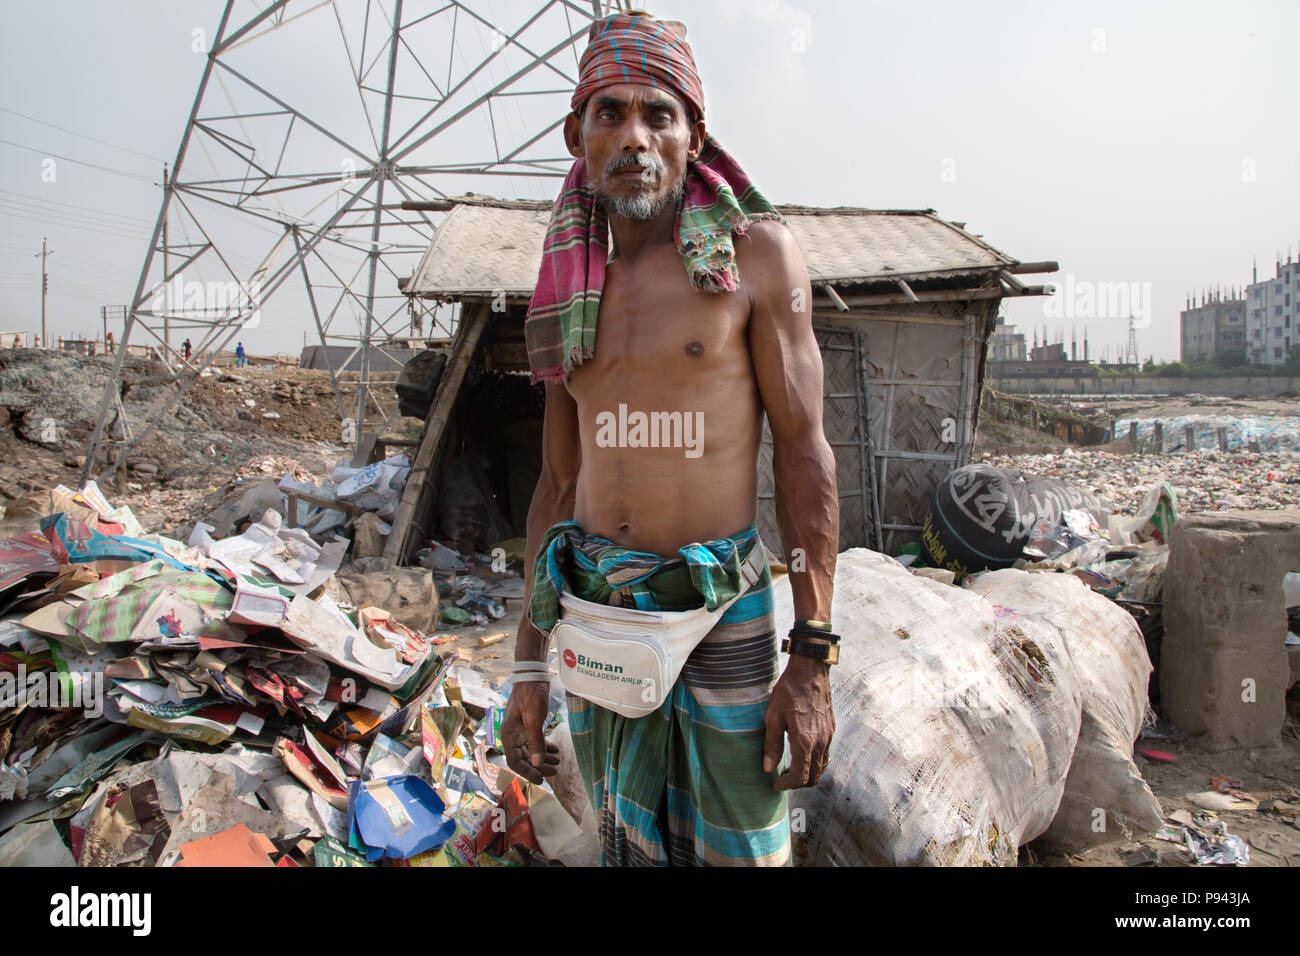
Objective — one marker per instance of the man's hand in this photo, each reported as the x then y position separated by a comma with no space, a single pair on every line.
527,751
801,707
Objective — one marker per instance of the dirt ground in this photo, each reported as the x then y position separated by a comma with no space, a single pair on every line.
1202,405
1265,773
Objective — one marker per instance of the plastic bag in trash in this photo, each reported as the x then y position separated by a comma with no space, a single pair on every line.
398,817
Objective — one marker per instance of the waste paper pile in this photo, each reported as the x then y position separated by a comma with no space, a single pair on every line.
258,694
247,699
1080,542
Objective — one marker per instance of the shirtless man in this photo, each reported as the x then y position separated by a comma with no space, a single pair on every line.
721,360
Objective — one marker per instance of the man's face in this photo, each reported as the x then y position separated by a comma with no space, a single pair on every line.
637,141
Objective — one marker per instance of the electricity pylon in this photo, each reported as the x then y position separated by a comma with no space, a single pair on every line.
313,122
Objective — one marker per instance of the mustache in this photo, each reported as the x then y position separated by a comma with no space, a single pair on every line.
632,160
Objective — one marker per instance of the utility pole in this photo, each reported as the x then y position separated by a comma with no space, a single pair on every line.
45,287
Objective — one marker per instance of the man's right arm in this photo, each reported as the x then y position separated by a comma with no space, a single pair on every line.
552,500
527,752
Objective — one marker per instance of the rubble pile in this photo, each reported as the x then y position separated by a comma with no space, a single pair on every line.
237,699
225,423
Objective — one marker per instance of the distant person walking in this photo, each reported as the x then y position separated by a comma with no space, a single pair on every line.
90,349
240,358
186,347
108,343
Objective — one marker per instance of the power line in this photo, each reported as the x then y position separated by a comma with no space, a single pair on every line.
78,208
82,135
81,162
20,214
76,219
98,264
90,217
100,274
80,240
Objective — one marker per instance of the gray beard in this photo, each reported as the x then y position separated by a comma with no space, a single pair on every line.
643,208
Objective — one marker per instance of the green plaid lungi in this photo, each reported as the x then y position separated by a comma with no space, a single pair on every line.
683,786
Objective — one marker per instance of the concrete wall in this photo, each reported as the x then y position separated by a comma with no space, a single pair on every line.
1261,386
1224,669
386,360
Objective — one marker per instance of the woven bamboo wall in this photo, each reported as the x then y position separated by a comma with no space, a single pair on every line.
841,420
923,370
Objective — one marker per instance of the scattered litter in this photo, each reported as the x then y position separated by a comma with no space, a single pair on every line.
237,846
1160,756
1219,802
1226,784
1142,856
1203,480
1214,846
1157,728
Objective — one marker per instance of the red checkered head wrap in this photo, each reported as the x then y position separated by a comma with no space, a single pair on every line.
637,48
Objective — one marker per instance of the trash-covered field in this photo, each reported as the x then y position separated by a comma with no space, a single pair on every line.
231,427
195,671
1202,480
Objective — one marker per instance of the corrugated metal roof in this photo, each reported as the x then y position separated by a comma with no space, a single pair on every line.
485,246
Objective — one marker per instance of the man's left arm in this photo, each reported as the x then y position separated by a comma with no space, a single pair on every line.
788,366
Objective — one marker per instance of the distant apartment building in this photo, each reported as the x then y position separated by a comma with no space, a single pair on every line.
1006,344
1271,315
1213,326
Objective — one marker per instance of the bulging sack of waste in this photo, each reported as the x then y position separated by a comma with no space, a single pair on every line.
409,594
1105,797
955,725
982,516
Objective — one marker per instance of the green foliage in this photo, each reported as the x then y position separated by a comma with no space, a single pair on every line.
1292,364
1231,359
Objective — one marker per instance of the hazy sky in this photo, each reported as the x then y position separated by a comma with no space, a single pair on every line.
1145,143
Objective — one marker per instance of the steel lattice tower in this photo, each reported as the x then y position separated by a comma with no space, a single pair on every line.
1131,349
288,185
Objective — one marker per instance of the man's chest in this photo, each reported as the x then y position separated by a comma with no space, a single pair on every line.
651,318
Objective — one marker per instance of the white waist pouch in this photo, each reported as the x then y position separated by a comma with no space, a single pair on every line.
627,660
